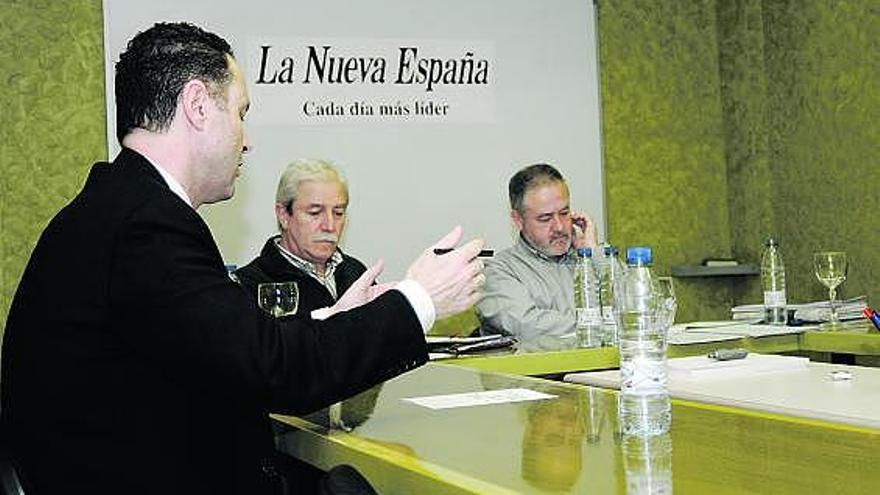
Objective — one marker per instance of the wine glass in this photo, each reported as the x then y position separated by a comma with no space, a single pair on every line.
830,268
278,298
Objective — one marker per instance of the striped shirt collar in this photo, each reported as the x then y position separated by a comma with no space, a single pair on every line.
327,280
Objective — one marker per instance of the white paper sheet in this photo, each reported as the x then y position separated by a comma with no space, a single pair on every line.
685,338
468,399
737,328
702,367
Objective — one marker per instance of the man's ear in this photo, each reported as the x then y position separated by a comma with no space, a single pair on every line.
196,103
281,215
517,219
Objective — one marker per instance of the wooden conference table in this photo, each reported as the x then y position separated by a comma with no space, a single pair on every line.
787,385
569,444
864,343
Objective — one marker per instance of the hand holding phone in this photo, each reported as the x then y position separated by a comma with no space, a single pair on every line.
583,230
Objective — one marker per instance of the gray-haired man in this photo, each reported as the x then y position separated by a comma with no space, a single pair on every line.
310,206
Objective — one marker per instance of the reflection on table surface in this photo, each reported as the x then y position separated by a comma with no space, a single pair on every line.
647,463
569,444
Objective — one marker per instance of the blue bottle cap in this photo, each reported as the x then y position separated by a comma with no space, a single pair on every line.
610,250
639,255
585,252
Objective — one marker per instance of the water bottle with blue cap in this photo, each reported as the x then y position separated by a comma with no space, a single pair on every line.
588,310
611,272
644,407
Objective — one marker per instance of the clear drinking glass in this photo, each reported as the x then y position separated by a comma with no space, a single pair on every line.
830,268
278,298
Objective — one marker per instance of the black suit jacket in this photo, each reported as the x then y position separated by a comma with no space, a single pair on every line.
271,266
130,357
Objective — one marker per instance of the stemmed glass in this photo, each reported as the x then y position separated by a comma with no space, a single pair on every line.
830,268
279,298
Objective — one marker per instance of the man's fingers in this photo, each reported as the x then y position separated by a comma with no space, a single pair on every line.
472,282
582,220
474,298
369,276
449,240
476,284
470,250
588,223
379,289
474,268
468,301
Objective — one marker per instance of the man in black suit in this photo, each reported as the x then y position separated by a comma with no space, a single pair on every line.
311,205
130,359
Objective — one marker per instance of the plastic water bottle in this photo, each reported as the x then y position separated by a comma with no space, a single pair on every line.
610,274
647,463
586,300
773,284
644,407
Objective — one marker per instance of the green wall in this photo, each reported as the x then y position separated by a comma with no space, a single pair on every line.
743,97
799,86
724,121
52,126
665,172
823,105
729,121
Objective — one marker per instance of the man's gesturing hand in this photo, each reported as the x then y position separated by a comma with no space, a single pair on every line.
453,279
362,290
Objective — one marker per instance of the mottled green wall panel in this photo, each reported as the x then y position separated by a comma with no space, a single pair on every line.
665,171
744,100
823,67
52,124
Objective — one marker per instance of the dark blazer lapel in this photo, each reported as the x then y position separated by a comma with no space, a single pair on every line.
134,161
137,169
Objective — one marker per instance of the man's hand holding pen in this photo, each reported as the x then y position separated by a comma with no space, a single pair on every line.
453,280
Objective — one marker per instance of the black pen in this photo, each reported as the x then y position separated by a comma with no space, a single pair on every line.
484,253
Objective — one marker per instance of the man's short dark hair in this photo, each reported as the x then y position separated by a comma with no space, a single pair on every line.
155,66
528,178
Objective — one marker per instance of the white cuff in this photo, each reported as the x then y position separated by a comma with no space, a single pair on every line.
322,313
420,301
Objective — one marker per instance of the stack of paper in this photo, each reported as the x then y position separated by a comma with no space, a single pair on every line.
684,337
850,309
817,311
717,331
698,332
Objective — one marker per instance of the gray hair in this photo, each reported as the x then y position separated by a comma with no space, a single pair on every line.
306,169
529,178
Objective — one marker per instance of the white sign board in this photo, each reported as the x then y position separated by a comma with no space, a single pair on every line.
428,107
